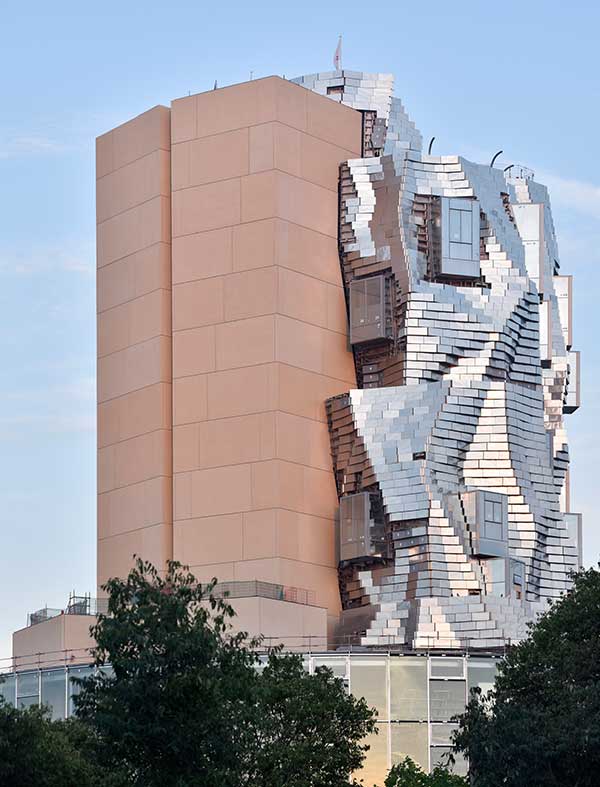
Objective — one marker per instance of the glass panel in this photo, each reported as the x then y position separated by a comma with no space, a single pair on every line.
440,733
373,300
28,702
439,756
375,766
455,225
76,672
461,251
408,688
493,530
54,690
368,680
357,303
466,226
410,740
447,668
447,699
496,570
337,666
7,688
27,684
481,673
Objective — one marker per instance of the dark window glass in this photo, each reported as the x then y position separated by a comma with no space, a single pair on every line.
7,688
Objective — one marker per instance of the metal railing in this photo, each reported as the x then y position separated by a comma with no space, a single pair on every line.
519,172
253,588
77,605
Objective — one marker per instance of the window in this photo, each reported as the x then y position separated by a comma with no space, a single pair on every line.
440,734
368,679
460,238
444,667
482,673
28,689
367,309
410,739
74,688
54,691
517,570
7,688
408,688
375,765
360,534
447,698
495,513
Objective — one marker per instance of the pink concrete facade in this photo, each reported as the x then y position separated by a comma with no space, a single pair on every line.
63,639
133,206
221,332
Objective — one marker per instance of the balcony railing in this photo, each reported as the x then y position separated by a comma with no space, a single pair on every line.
252,588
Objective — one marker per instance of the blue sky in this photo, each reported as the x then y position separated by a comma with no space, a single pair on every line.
521,76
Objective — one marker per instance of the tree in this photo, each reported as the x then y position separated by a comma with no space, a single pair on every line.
540,725
408,774
187,702
309,731
36,752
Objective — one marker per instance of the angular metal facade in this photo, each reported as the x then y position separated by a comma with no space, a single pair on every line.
460,326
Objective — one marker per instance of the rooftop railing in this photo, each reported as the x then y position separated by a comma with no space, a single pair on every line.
519,172
77,605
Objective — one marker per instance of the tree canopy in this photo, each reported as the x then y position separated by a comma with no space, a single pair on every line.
540,725
37,752
189,702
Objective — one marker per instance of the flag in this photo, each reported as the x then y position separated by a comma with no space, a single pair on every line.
337,58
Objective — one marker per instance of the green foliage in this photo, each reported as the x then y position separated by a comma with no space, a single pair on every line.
408,774
540,726
188,703
308,729
36,752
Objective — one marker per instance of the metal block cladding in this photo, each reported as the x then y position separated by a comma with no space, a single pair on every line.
465,372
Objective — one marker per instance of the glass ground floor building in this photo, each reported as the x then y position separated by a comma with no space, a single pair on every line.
415,695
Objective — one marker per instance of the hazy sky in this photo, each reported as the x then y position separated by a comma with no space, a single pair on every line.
521,76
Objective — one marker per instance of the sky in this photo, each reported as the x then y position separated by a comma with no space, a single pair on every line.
518,76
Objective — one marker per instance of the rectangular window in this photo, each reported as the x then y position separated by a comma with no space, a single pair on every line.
28,686
460,238
447,698
7,689
408,688
409,739
442,667
54,690
74,688
368,679
440,734
481,673
367,309
375,765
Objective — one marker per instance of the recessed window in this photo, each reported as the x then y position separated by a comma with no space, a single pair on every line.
367,309
460,238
